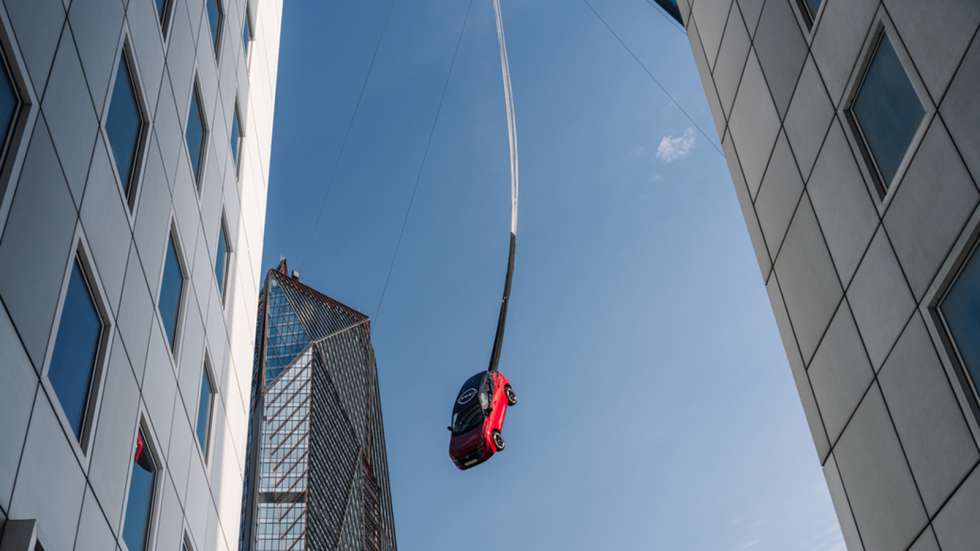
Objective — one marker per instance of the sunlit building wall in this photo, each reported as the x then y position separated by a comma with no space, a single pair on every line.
133,175
317,469
852,132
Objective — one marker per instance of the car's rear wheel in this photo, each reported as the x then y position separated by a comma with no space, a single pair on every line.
511,395
498,440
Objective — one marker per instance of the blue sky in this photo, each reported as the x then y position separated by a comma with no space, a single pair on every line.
657,409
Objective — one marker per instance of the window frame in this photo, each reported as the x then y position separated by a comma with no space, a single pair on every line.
165,19
881,192
236,117
964,388
14,147
198,174
207,373
807,19
174,237
248,22
130,196
229,251
152,447
82,255
216,41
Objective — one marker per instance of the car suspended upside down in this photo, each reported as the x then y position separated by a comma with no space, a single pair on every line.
481,405
478,418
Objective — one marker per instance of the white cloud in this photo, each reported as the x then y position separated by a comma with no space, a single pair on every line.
672,148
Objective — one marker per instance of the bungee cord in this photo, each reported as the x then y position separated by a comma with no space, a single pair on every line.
498,339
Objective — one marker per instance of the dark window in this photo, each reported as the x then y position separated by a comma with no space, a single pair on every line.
204,408
9,101
163,7
670,6
961,312
887,112
236,136
221,260
215,18
76,350
196,135
810,9
246,34
139,506
124,126
171,291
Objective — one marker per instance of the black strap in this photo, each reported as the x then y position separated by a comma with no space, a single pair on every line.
498,340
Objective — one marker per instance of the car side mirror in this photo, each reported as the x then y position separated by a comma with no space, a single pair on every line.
450,429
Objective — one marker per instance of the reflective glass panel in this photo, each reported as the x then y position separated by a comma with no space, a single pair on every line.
170,293
246,35
214,19
888,111
813,6
161,9
961,310
195,136
236,137
75,350
123,125
204,411
140,503
221,262
9,101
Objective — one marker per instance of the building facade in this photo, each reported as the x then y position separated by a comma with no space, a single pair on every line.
317,470
133,177
852,132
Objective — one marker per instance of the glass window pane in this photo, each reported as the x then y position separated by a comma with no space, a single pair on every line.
9,101
75,350
140,503
195,136
887,110
204,411
214,18
961,310
170,292
221,262
236,137
161,9
246,35
123,125
813,6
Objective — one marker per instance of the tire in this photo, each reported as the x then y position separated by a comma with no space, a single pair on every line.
498,440
511,395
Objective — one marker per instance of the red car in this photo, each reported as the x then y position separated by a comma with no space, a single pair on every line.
478,418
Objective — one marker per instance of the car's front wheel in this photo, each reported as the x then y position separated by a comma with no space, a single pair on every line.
498,440
511,395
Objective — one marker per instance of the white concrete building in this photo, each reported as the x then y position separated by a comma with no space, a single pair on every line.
133,179
852,132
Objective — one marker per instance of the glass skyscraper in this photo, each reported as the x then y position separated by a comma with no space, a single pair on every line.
316,472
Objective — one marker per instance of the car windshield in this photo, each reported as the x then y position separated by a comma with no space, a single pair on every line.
468,418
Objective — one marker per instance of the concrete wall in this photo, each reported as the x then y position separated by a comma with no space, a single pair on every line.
854,275
60,194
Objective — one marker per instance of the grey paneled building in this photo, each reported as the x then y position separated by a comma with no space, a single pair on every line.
133,176
852,131
317,470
